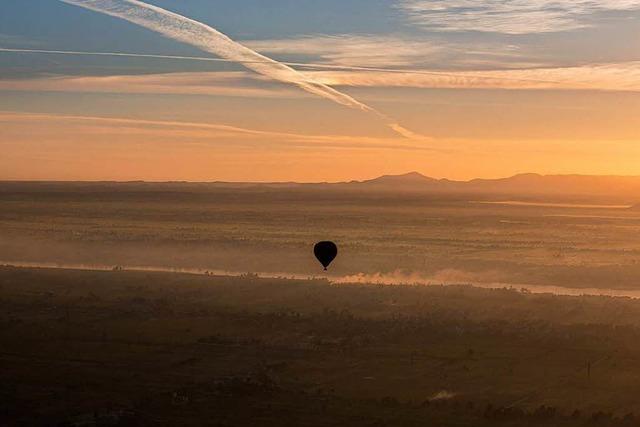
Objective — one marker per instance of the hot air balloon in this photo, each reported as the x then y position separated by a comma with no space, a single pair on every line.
326,252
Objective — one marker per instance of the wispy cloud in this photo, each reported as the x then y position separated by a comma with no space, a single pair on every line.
396,51
386,51
208,131
608,77
204,37
509,16
29,117
221,83
113,54
623,76
353,50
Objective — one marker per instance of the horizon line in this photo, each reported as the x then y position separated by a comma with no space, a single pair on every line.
266,182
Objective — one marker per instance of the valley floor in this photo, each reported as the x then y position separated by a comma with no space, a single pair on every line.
167,349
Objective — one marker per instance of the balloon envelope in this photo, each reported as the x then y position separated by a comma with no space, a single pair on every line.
326,252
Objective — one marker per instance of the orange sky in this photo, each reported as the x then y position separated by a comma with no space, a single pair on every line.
83,148
458,99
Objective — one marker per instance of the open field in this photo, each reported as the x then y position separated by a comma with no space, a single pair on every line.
137,348
297,347
382,236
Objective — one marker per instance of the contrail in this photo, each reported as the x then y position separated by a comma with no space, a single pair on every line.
291,64
127,55
202,36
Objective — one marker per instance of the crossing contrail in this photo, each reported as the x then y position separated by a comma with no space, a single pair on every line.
202,36
307,65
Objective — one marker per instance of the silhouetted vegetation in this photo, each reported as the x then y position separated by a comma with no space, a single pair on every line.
82,348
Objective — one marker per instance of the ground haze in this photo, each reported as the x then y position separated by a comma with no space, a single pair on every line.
443,307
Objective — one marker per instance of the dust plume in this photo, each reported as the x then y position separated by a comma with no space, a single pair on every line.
447,276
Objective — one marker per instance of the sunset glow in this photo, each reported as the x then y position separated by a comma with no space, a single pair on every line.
123,90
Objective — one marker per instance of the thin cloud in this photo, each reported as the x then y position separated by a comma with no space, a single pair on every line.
353,50
394,51
208,130
608,77
509,16
448,75
624,76
7,115
204,37
221,83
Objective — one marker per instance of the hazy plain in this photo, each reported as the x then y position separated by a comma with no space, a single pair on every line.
224,347
385,237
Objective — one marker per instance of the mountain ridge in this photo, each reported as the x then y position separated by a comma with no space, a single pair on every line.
409,176
524,184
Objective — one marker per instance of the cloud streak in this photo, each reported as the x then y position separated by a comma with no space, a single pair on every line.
411,53
618,77
163,127
509,16
357,50
623,76
225,83
287,48
204,37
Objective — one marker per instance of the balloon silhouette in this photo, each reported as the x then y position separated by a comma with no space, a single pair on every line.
326,252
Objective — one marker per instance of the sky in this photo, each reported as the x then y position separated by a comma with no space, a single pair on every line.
308,91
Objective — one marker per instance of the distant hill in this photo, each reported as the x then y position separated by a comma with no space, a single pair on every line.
524,186
560,184
412,180
519,185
